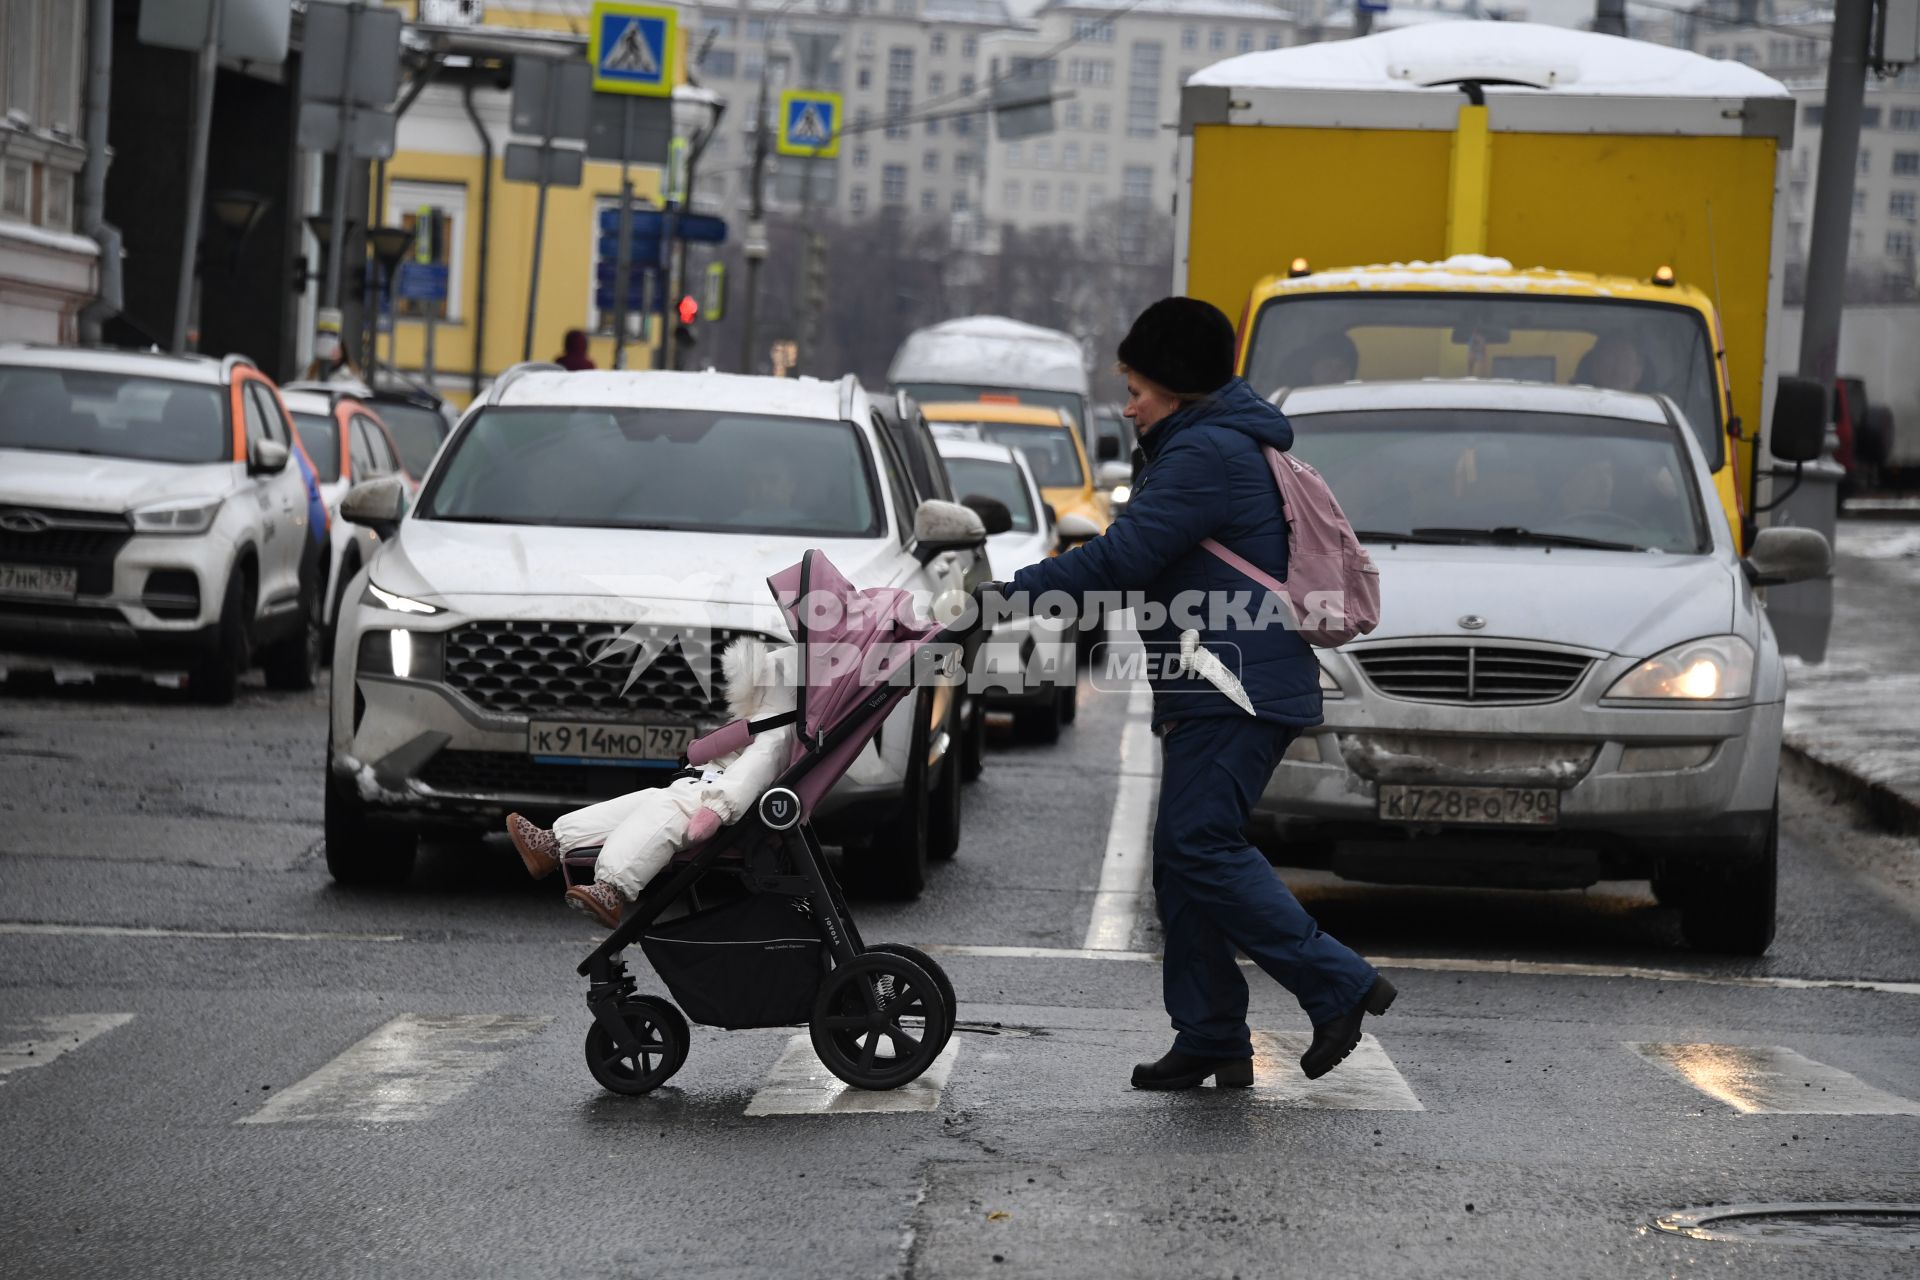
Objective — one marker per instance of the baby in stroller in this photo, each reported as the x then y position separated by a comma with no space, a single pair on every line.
639,833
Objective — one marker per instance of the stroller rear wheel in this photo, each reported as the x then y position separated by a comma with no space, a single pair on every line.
934,971
663,1039
879,1021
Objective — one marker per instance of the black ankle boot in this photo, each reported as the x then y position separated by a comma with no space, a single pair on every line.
1184,1071
1333,1041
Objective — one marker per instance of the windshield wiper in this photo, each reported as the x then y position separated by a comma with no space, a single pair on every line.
1437,537
1514,535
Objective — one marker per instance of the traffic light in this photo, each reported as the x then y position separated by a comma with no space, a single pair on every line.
689,309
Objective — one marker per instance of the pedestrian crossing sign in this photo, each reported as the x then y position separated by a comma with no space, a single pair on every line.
809,123
634,48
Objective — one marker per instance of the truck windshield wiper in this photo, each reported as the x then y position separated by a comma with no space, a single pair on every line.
1515,535
1438,537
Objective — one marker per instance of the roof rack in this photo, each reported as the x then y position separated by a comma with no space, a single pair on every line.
513,373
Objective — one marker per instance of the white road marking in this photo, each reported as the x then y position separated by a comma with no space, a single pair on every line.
197,935
404,1070
1366,1081
799,1085
1770,1079
1461,964
1124,871
47,1037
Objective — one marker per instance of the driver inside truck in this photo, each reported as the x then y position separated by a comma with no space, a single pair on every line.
1614,363
1322,362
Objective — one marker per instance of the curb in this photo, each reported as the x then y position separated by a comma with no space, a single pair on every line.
1876,802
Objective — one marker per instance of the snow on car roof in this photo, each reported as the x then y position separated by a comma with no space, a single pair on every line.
978,450
994,351
663,389
306,401
1577,63
1475,393
203,369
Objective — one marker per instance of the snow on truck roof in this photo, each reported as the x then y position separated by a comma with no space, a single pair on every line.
991,351
664,389
1526,54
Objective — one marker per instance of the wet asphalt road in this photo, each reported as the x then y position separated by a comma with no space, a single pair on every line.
1502,1127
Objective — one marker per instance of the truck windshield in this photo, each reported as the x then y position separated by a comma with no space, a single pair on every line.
945,392
1304,340
1049,451
618,468
1459,475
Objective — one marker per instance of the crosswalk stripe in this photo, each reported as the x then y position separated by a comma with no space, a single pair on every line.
1773,1080
799,1085
44,1038
404,1069
1366,1081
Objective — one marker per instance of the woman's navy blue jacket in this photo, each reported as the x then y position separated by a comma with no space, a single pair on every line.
1205,477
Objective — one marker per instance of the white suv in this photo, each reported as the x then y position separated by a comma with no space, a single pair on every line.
153,516
539,631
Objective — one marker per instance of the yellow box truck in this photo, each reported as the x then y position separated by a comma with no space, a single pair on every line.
1487,199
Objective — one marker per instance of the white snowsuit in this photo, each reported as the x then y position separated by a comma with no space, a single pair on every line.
641,831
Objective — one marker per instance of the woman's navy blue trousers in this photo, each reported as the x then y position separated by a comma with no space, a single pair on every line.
1217,893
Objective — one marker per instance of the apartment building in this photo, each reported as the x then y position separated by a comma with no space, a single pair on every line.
1114,136
47,272
1792,47
908,71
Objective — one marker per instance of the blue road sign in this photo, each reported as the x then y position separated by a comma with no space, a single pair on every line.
809,124
633,48
701,227
647,296
421,282
640,249
651,224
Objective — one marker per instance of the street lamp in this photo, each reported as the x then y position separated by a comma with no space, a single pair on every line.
322,228
238,213
389,245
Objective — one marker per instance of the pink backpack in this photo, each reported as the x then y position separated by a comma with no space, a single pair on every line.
1332,587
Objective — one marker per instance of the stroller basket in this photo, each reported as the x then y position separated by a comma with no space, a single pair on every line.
755,962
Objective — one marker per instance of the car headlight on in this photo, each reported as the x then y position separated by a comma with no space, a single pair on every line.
1121,492
381,599
1712,669
195,516
402,654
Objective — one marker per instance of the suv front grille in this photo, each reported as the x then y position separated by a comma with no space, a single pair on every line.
537,668
1472,673
84,540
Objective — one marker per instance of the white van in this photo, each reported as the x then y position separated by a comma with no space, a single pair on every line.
980,356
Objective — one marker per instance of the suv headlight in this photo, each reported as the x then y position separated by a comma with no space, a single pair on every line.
381,599
1711,669
194,516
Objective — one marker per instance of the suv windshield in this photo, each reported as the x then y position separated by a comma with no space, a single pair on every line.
417,429
658,469
1049,451
1483,476
979,478
950,392
112,415
1392,337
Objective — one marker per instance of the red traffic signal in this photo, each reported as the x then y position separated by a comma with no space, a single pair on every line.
689,309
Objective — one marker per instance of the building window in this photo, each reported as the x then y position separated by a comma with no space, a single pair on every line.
1899,244
966,85
757,29
936,84
937,43
1012,200
1906,162
1189,37
963,163
1043,155
1070,117
1273,39
1143,90
1070,155
1859,201
436,212
1243,42
866,40
863,78
960,202
900,62
861,155
968,46
1102,117
904,8
1900,204
1069,196
719,24
1041,194
893,184
56,200
963,125
857,198
721,64
899,107
1869,117
1136,184
930,162
1092,31
1016,154
1097,157
1812,114
1866,160
1096,194
1216,40
929,200
16,186
1747,53
1905,119
933,126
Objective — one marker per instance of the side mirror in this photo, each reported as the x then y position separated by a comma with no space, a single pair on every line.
1113,474
377,504
994,514
940,527
267,457
1782,554
1106,449
1799,429
1075,527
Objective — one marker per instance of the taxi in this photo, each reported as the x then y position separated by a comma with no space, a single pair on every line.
1049,440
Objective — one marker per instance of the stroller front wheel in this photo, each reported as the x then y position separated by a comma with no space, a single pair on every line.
880,1020
662,1038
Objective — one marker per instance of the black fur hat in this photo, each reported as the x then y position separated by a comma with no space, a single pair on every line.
1183,344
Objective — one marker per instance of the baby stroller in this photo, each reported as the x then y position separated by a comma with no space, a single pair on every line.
783,948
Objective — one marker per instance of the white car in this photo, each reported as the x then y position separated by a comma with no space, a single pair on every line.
1574,678
346,444
1027,663
477,666
153,517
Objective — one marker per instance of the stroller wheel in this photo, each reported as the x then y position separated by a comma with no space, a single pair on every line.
664,1040
935,972
880,1020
